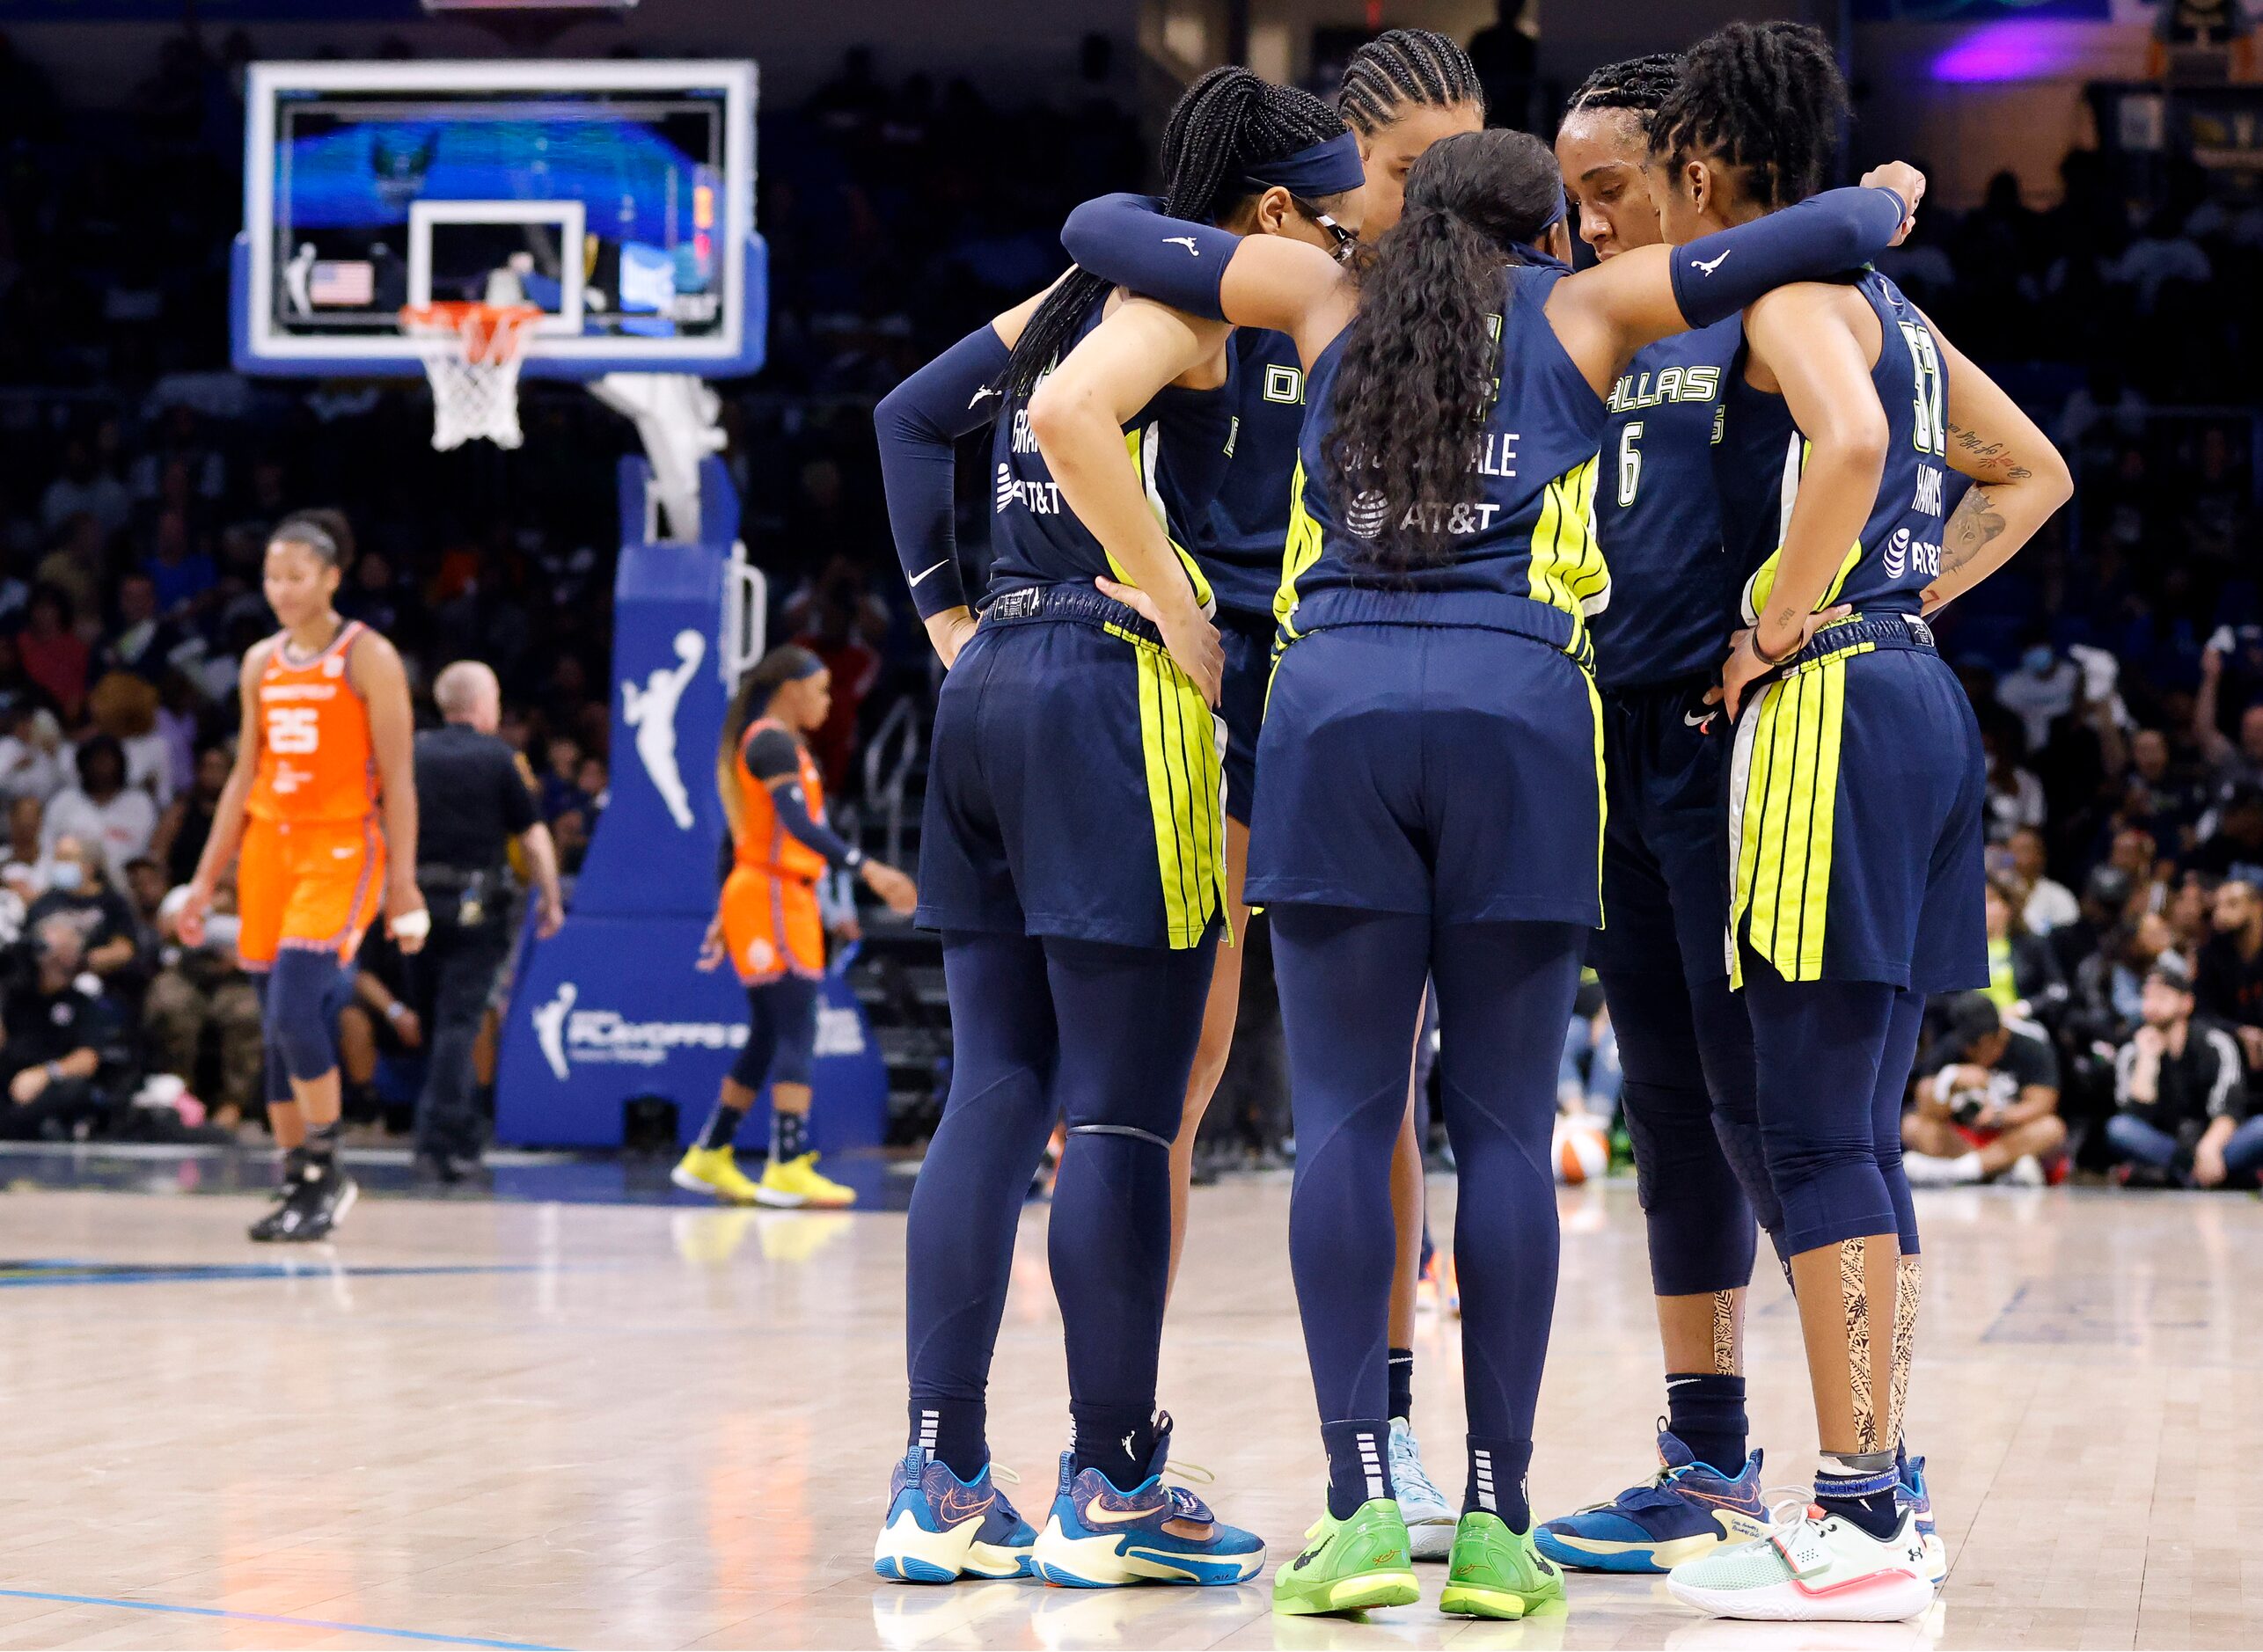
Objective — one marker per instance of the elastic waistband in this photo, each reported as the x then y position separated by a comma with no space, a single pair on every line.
1865,631
1481,611
1071,605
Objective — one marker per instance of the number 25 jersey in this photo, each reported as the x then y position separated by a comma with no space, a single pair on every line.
316,763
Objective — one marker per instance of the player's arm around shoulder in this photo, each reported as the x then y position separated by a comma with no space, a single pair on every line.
373,668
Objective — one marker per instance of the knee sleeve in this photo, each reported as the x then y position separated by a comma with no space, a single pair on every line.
304,995
1724,1049
1819,1046
1702,1235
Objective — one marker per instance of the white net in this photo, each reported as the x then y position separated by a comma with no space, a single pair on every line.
471,356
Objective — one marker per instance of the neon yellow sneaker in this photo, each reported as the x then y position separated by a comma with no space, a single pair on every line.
1349,1565
713,1170
795,1184
1495,1573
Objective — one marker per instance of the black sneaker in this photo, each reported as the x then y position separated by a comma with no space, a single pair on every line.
281,1216
328,1193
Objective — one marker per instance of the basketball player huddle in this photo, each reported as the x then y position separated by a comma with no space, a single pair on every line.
1475,617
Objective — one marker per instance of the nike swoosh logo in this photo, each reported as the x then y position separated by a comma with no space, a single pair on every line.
1094,1515
1695,722
923,573
988,390
1683,1382
1710,265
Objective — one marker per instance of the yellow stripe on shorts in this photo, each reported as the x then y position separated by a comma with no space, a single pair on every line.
1186,793
1784,795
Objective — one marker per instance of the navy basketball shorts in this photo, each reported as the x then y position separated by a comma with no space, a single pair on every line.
1074,785
1666,857
1449,770
1249,644
1856,791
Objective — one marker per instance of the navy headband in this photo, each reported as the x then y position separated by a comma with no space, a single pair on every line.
1329,168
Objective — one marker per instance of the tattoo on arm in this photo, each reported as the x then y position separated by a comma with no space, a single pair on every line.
1971,527
1988,455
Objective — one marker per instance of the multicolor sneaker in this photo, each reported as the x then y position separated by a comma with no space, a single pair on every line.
1814,1567
1429,1516
941,1528
1349,1565
1495,1573
1100,1538
1920,1502
1687,1510
795,1184
713,1170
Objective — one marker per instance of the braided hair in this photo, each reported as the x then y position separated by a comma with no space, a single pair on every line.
1767,98
1422,362
788,662
1226,123
1639,84
1403,68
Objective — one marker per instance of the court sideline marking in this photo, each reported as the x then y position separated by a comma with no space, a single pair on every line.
265,1616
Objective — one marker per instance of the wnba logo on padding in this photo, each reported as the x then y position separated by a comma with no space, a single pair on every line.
568,1035
650,709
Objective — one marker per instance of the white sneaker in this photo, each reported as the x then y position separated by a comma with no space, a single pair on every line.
1430,1518
2026,1171
1924,1170
1815,1567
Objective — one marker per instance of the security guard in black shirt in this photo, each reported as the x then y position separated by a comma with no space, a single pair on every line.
471,800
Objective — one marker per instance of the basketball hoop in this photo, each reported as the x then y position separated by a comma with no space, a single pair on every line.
471,356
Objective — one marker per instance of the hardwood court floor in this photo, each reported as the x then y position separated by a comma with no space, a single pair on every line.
623,1426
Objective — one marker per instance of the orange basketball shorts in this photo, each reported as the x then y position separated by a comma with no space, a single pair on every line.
771,926
315,884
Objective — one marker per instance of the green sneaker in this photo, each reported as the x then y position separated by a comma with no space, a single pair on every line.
1495,1573
1349,1565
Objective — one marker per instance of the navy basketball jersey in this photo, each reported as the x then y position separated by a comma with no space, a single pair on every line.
1238,540
1525,559
1178,445
1673,588
1762,454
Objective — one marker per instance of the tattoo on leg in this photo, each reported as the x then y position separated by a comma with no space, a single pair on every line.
1725,1333
1908,1280
1853,1292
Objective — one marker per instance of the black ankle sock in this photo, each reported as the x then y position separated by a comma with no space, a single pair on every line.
1860,1490
1496,1481
790,1136
953,1432
1358,1463
1403,1382
1117,1440
1706,1411
722,1127
322,1144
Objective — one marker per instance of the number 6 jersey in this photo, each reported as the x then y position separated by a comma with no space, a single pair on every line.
316,763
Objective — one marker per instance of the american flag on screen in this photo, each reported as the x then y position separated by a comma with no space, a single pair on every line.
343,282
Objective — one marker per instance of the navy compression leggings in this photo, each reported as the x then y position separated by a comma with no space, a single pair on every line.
1350,988
1833,1062
1103,1036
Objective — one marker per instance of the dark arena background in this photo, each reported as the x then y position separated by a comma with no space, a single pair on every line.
570,1377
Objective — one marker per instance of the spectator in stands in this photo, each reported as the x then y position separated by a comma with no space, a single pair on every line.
180,572
2108,998
19,692
2192,914
55,655
2158,798
2045,687
24,869
2235,849
187,820
79,891
102,809
124,706
2182,1099
200,992
2015,796
2024,976
561,784
85,487
2050,905
1987,1102
2227,983
2231,694
141,642
31,756
64,1051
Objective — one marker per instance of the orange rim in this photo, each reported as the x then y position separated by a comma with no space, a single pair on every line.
488,332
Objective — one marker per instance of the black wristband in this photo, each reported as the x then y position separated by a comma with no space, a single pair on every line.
1762,654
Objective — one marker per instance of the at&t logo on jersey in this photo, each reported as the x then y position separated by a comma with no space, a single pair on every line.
1042,499
1905,555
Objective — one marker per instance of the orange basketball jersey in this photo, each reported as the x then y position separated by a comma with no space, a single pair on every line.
763,843
316,762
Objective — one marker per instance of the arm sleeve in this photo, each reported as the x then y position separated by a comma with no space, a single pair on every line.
1127,239
772,758
916,423
1716,275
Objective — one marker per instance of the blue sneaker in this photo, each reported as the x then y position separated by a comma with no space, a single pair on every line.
1684,1512
1101,1537
1921,1502
941,1528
